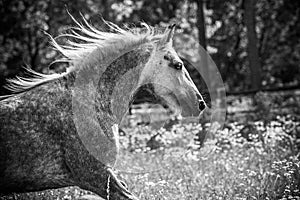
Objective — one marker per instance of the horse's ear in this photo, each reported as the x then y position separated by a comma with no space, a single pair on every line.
168,35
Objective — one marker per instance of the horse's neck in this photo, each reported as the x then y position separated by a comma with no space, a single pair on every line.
117,84
100,100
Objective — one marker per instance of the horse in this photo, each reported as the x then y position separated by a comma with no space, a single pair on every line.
48,122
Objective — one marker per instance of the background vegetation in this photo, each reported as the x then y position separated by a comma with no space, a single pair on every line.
256,46
270,59
252,158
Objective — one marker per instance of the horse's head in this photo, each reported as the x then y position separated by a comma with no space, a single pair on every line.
166,78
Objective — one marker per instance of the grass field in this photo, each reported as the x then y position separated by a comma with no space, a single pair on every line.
225,168
244,161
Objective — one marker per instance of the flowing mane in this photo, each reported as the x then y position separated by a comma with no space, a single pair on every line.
97,48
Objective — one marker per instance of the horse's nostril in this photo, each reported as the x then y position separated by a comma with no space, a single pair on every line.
178,65
201,105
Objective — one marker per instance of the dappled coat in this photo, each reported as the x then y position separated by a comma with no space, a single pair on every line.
41,126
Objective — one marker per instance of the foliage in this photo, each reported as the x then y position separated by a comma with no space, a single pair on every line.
227,167
236,169
23,41
276,27
232,165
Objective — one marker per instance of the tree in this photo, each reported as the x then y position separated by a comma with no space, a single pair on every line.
22,37
252,50
277,25
201,24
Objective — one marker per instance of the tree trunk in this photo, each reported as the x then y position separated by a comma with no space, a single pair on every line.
203,62
201,24
204,69
254,62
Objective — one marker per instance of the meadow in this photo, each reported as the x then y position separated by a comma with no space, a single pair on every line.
251,158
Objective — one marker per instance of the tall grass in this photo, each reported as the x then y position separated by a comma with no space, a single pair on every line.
256,160
228,167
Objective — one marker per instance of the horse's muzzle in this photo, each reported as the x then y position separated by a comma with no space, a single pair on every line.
193,106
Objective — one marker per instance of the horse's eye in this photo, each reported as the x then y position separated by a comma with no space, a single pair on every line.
167,57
